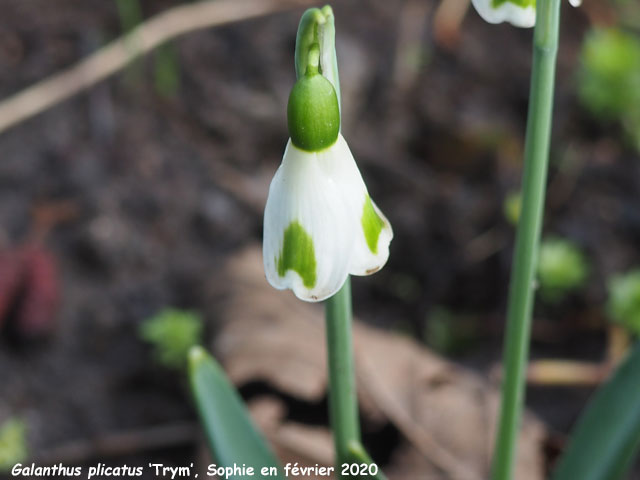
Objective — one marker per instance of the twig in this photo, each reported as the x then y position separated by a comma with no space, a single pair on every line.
618,342
118,54
577,373
566,373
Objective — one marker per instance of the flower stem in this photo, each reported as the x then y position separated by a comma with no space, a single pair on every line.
343,403
521,290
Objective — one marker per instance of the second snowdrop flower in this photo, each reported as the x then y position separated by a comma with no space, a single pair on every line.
521,13
319,222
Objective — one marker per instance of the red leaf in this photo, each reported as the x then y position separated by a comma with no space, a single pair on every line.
11,278
37,312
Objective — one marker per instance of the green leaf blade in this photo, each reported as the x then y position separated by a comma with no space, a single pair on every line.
233,438
607,436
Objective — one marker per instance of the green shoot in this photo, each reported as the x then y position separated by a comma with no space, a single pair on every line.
13,443
165,60
562,268
166,70
511,207
449,333
172,333
624,300
609,79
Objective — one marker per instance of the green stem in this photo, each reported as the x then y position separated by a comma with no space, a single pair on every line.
317,30
343,403
317,26
521,290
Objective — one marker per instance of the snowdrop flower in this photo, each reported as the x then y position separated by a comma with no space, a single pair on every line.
521,13
319,222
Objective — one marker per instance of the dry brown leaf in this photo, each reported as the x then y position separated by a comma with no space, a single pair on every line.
309,446
445,413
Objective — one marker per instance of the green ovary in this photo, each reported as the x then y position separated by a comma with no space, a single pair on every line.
372,225
298,254
519,3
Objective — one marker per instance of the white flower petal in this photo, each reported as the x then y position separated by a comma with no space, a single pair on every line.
307,231
373,232
575,3
506,12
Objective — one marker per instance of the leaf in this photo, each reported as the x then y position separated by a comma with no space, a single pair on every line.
233,439
607,435
29,290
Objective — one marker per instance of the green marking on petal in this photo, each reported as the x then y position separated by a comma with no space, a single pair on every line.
519,3
372,225
298,254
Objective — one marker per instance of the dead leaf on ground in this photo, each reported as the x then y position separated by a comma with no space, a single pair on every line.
445,414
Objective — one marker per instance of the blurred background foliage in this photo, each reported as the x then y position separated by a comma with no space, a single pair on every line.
13,444
172,333
609,79
624,300
562,267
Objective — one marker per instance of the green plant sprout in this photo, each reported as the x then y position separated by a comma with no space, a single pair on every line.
13,443
130,15
447,332
511,207
166,70
562,268
609,79
172,333
623,304
165,60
